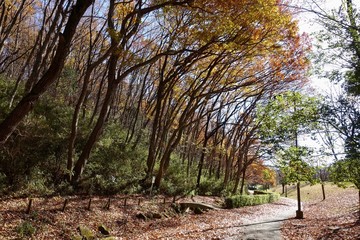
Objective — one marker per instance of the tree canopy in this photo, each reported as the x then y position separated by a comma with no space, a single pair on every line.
173,84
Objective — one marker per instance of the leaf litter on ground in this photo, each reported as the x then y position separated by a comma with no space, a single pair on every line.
337,217
51,223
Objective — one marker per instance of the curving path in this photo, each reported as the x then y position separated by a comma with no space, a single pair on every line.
268,226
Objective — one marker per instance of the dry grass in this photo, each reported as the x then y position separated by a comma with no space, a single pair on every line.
311,193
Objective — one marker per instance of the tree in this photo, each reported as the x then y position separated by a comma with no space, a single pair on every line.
51,74
121,64
343,116
174,73
229,59
346,170
339,44
282,120
258,173
95,40
13,16
339,47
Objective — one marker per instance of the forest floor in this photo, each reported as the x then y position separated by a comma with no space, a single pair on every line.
334,218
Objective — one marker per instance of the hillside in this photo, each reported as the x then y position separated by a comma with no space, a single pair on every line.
336,217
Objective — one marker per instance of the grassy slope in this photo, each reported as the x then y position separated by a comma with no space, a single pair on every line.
312,193
335,218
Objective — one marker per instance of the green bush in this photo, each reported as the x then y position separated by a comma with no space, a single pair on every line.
250,200
25,229
274,197
175,181
213,187
36,185
33,158
114,167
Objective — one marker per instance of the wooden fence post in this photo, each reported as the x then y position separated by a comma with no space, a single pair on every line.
107,205
28,210
89,205
64,206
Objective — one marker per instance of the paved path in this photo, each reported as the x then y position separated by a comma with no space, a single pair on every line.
268,226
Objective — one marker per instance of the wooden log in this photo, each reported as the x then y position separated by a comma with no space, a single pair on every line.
193,205
334,228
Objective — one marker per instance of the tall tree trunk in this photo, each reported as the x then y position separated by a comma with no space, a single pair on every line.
150,162
227,169
74,123
218,170
239,173
26,104
74,128
131,129
44,46
201,162
162,168
75,119
203,151
151,158
165,160
81,162
242,181
95,133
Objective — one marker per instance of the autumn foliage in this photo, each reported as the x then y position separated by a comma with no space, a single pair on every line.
257,173
172,84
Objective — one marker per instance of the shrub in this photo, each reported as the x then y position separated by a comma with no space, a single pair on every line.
250,200
36,185
211,187
114,167
25,229
176,182
33,157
